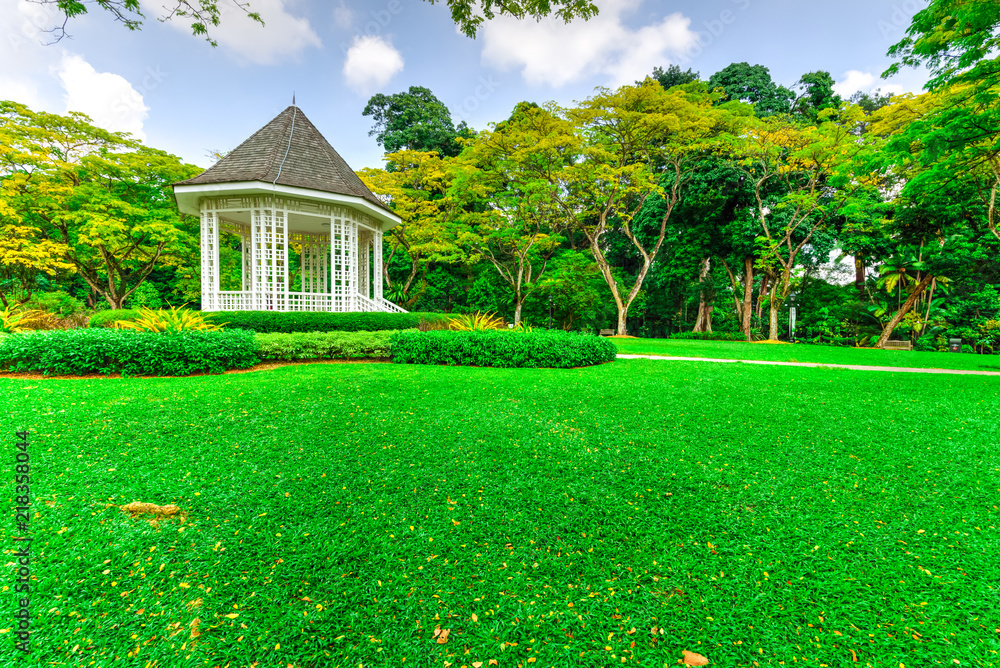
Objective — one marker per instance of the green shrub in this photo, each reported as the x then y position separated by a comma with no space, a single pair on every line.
105,351
267,322
58,302
324,345
109,318
542,349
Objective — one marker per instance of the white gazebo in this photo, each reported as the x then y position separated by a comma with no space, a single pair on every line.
285,192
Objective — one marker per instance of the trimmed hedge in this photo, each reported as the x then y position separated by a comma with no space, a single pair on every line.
324,345
491,348
269,322
109,318
105,351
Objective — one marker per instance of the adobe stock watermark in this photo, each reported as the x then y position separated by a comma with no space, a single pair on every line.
713,30
376,22
484,89
39,25
897,23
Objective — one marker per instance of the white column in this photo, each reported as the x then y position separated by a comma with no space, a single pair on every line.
258,257
364,241
377,262
209,257
279,282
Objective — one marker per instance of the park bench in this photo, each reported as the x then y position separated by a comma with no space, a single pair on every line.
897,345
607,332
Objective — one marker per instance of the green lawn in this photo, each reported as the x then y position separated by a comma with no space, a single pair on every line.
801,352
595,517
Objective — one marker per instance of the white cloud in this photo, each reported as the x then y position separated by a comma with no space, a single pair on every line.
855,81
110,101
371,62
281,37
550,52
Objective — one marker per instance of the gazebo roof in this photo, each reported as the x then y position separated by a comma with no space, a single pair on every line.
288,151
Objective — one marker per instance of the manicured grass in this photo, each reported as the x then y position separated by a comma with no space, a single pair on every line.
612,515
801,352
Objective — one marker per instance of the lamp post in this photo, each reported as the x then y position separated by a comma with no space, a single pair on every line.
792,313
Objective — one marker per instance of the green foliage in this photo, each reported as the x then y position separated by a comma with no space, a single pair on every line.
106,351
145,296
100,202
57,302
753,84
325,345
542,349
110,317
469,15
414,121
200,15
674,76
175,319
266,322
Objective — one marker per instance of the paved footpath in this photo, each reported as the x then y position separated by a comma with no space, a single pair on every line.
897,369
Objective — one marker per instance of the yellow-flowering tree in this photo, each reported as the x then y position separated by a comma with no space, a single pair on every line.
414,184
97,201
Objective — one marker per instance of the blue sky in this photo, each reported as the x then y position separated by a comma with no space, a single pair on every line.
179,94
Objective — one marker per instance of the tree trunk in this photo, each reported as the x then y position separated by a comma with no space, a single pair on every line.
747,296
517,309
622,319
704,321
903,310
773,309
763,291
859,276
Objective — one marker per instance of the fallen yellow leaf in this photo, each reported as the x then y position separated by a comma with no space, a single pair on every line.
694,659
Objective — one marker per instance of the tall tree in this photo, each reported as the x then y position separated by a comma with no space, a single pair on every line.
635,139
958,135
816,95
414,121
103,198
811,172
753,84
509,180
674,76
414,184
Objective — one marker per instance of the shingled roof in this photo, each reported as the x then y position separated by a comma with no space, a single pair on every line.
311,162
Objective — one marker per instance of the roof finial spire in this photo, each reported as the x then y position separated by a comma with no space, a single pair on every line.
293,98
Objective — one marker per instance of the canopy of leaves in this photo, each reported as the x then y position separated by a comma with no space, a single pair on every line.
469,15
202,15
753,84
414,121
96,200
